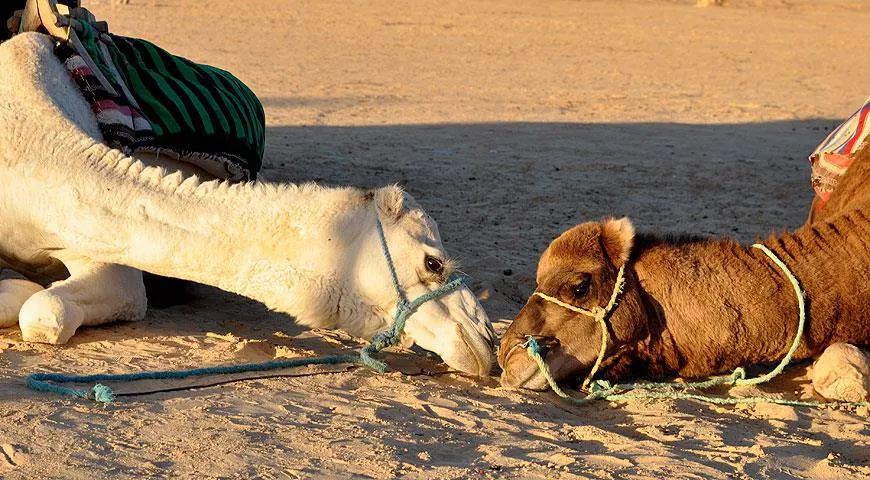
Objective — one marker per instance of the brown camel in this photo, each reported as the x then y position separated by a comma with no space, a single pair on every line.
696,307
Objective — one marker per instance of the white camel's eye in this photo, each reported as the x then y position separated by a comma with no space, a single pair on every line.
434,265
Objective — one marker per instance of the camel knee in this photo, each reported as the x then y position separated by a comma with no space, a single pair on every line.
47,318
117,293
13,293
842,372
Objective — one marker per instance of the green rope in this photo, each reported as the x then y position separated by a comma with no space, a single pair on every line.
46,382
603,390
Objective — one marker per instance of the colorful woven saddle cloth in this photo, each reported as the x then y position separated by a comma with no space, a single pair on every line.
148,100
835,154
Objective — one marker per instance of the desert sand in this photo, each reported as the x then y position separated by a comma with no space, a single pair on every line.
509,121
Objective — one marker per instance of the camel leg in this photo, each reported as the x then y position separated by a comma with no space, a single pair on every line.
13,293
95,293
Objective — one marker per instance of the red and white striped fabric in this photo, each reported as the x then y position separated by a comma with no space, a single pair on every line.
834,155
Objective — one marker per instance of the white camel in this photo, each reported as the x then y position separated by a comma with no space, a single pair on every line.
71,204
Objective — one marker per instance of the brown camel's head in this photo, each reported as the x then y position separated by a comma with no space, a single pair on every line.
579,268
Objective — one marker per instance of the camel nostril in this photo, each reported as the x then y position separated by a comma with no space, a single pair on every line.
518,344
547,343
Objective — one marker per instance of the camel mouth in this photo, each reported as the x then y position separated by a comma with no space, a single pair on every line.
457,329
466,352
520,371
482,352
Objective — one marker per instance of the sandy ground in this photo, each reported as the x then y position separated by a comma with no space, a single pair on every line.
509,121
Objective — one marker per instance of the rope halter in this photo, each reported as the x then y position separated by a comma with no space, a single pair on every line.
598,313
404,307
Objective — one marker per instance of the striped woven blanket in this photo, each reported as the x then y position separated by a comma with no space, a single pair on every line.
167,104
834,155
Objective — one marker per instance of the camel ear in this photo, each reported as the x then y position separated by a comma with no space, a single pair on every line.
617,236
390,202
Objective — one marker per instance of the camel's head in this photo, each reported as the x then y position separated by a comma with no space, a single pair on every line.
455,325
579,268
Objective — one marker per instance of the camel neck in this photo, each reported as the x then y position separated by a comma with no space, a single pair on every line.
715,305
259,240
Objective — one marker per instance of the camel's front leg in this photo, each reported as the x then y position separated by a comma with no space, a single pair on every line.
94,293
13,293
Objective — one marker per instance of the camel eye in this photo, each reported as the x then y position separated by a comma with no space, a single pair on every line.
581,289
434,265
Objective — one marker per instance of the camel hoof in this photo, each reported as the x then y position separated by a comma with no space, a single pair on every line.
13,293
842,373
46,318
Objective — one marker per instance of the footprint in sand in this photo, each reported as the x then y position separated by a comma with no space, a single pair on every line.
451,416
11,457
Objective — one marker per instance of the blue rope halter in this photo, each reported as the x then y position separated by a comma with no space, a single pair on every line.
46,382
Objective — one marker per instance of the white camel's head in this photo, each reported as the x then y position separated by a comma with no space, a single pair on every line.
455,325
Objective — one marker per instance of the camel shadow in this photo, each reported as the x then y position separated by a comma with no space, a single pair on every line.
502,191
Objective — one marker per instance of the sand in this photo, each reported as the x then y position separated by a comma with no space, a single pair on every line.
509,121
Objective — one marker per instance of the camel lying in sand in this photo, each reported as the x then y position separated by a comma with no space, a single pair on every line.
84,219
696,307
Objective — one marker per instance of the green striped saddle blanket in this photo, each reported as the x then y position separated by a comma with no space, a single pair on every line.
167,104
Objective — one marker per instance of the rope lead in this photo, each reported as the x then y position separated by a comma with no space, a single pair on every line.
46,382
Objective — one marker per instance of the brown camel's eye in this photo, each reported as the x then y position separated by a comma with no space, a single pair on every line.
434,265
581,289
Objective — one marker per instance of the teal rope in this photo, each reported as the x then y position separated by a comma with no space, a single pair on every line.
404,310
46,382
104,394
603,390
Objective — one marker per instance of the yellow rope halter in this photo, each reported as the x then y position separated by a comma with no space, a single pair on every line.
599,314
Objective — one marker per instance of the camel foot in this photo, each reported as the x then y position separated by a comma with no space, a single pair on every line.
95,293
13,293
47,318
842,373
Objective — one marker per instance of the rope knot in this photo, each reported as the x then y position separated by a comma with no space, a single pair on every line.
738,374
382,340
599,386
101,393
532,345
402,305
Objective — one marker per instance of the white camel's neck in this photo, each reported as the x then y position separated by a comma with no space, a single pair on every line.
69,195
272,243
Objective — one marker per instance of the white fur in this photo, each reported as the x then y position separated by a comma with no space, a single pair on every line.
312,252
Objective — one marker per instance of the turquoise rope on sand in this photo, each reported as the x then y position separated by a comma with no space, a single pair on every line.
603,390
46,382
104,394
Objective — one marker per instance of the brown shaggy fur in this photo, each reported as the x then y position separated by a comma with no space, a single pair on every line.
694,307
